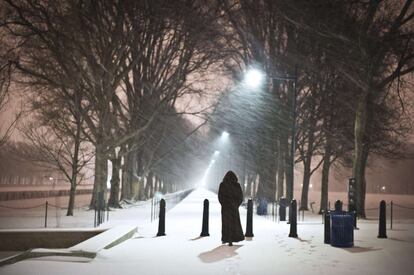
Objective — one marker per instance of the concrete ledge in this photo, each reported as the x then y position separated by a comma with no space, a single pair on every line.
86,249
36,253
21,240
107,239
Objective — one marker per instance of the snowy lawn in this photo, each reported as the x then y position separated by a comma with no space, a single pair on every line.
17,214
270,251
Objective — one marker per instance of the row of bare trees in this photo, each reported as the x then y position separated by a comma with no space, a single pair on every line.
105,79
355,59
111,79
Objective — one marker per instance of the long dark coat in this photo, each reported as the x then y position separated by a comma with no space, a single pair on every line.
230,197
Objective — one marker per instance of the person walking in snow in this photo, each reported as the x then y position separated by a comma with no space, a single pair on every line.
230,196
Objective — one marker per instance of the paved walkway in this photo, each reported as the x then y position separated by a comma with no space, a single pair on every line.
181,251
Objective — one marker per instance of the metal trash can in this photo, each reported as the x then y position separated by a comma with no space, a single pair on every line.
342,229
262,207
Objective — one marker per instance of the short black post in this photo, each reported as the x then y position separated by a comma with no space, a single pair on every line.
327,227
161,222
293,220
338,206
204,229
47,204
249,223
391,214
282,209
382,231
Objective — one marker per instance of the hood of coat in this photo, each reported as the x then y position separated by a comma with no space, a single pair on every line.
230,177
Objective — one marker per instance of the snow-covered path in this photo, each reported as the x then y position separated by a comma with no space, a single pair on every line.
270,251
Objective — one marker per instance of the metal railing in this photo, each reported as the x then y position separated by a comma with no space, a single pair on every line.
171,200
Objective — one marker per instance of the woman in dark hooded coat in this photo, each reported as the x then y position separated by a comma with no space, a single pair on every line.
230,197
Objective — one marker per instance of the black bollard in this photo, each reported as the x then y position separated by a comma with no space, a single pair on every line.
249,223
382,232
282,209
161,223
327,227
293,220
338,206
204,229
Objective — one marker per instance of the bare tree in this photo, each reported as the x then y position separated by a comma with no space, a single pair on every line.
55,138
6,68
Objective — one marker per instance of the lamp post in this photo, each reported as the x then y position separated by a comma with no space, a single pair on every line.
293,78
253,79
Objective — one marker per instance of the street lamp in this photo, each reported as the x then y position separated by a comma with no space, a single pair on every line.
252,78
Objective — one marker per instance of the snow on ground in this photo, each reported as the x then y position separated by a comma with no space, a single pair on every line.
270,251
14,214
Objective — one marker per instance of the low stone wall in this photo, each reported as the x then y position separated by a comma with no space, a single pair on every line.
33,194
25,239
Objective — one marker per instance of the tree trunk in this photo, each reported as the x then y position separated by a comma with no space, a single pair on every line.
325,176
288,172
72,194
101,174
266,187
365,155
358,161
75,163
164,186
148,185
305,185
307,163
127,174
114,194
281,172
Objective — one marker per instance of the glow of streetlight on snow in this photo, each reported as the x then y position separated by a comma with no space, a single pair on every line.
253,78
216,153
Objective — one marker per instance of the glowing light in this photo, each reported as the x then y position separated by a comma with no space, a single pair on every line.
253,78
51,178
383,188
311,185
216,153
224,134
